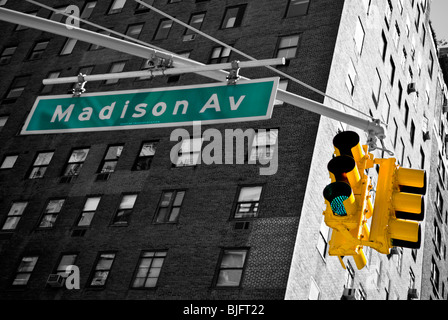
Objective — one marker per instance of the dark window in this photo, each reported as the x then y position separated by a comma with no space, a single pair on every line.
51,213
145,156
38,50
248,202
65,261
148,269
102,270
75,162
233,17
431,64
134,30
412,132
116,6
219,55
88,211
196,21
383,46
40,165
110,159
88,9
287,47
297,8
376,89
163,29
169,206
231,267
124,209
24,271
7,54
17,87
14,216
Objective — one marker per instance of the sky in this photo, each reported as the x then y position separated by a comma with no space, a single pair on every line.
439,18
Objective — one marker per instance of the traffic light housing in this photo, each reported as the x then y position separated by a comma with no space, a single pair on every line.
347,197
399,207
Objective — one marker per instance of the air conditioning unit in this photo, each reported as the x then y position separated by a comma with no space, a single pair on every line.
55,280
412,87
103,176
412,293
349,294
189,37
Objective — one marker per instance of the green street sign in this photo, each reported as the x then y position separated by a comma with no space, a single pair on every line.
151,108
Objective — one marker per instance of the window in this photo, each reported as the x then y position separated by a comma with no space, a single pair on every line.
148,270
68,47
297,8
388,16
322,242
263,145
20,27
169,206
88,9
359,36
396,35
376,88
65,261
75,162
351,78
58,15
7,54
142,8
391,71
385,110
102,270
3,120
163,29
51,213
115,68
124,209
189,152
231,267
435,275
422,158
395,133
38,50
134,30
233,17
219,55
110,160
88,211
287,47
49,87
400,94
24,271
116,6
196,21
40,165
412,132
248,202
9,161
431,64
17,87
14,216
3,2
406,114
145,156
423,35
383,46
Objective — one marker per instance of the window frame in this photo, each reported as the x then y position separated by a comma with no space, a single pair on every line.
191,151
95,269
8,56
236,202
30,272
11,214
34,165
288,13
90,212
49,213
124,219
238,17
132,285
57,268
39,52
102,167
111,9
146,159
166,219
220,268
158,35
9,156
278,48
81,163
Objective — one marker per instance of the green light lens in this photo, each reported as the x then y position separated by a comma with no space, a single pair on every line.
337,206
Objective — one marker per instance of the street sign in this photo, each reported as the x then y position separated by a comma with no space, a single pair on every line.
151,108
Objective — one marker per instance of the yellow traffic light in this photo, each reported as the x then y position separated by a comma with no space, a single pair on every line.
347,197
399,206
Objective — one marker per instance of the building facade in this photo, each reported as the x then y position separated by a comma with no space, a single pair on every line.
140,226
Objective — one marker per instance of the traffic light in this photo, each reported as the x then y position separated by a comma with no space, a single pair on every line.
347,197
399,206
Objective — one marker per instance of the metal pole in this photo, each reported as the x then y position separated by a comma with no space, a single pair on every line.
373,127
168,71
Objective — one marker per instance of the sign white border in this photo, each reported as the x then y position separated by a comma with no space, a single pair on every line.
267,116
